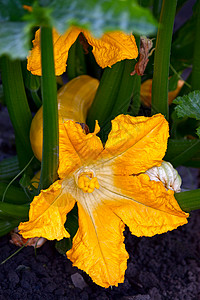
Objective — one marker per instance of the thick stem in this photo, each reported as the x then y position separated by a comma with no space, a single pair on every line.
196,57
18,108
125,91
162,59
50,111
105,98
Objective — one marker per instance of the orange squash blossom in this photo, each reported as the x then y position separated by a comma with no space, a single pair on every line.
108,183
145,92
111,190
109,49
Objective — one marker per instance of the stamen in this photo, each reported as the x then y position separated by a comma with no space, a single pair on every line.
87,182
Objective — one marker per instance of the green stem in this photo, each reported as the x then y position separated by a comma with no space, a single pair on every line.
14,211
36,99
105,97
76,65
162,59
50,111
125,91
135,105
196,56
18,108
71,62
189,200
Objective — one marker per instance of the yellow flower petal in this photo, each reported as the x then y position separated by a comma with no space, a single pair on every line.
144,205
109,49
47,213
76,148
136,144
98,247
112,47
61,43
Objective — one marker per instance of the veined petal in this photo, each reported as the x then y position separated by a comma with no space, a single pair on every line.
76,148
47,213
61,43
112,47
144,205
135,144
98,246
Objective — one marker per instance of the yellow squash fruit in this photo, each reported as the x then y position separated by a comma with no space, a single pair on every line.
74,101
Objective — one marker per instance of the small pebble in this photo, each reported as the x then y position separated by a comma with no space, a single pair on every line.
78,281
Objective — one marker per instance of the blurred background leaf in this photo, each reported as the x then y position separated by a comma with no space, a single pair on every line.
16,23
100,16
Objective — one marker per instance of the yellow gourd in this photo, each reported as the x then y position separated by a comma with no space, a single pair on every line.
74,100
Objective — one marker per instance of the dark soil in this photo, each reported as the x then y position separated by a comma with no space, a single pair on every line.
165,266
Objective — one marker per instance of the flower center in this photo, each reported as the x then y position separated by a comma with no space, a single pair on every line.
86,181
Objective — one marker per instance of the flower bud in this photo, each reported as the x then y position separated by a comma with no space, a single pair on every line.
167,175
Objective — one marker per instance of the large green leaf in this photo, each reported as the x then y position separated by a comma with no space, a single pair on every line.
96,15
102,15
13,10
14,39
188,105
14,31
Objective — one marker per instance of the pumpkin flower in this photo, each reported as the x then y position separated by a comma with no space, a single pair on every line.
111,189
109,49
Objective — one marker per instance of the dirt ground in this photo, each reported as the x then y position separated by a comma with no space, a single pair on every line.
165,266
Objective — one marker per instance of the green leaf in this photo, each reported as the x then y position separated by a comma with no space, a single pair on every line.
188,105
14,39
100,15
13,10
